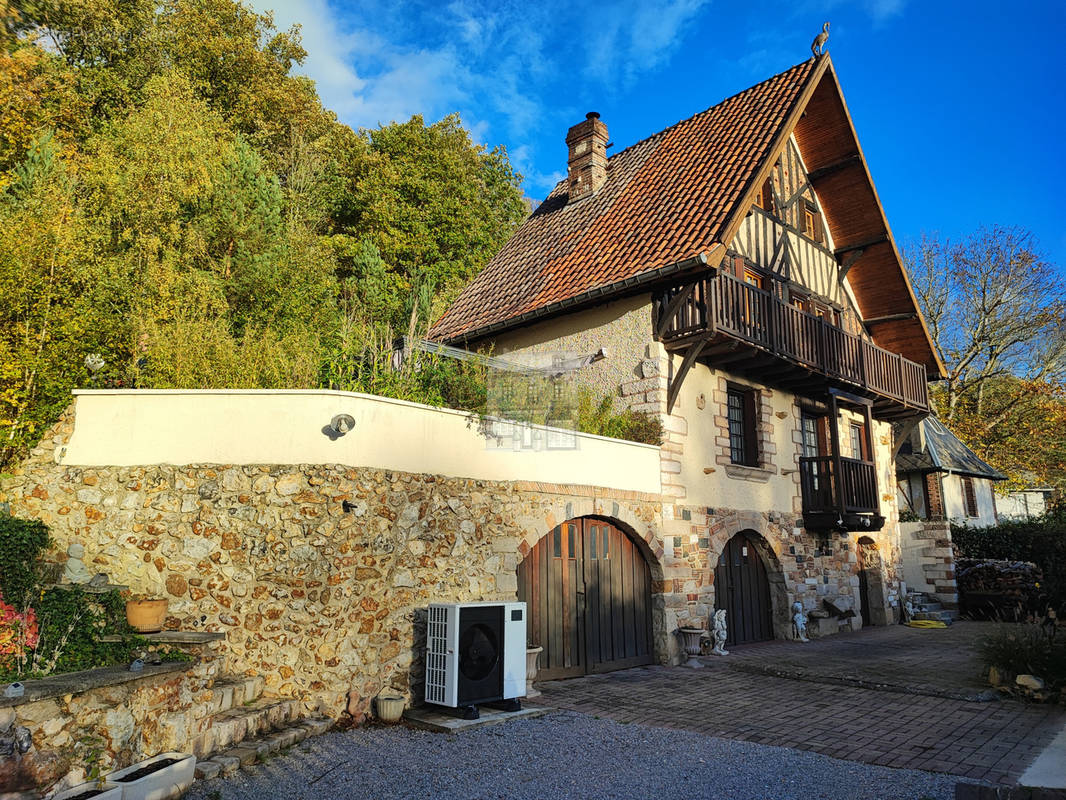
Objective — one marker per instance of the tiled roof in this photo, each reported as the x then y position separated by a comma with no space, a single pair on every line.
666,199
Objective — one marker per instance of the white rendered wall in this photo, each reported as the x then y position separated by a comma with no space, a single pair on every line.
138,427
1022,505
955,503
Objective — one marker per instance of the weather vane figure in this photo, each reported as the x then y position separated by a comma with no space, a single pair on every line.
818,45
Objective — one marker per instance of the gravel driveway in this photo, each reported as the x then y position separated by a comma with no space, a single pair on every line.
562,755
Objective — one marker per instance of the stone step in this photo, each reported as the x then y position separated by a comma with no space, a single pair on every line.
229,692
226,729
253,750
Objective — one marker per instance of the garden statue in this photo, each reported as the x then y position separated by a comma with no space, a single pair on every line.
799,622
818,45
719,633
75,571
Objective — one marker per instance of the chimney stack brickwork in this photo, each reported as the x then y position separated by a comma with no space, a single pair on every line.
586,166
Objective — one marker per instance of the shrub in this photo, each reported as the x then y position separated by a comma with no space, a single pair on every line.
600,418
1020,649
22,542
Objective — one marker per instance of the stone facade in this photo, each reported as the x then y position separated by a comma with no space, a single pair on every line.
319,575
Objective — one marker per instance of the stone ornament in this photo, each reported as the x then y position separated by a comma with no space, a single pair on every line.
75,570
720,633
799,622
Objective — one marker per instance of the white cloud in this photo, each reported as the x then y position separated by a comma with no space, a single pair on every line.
376,61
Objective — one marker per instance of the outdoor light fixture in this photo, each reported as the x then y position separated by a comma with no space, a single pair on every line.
341,424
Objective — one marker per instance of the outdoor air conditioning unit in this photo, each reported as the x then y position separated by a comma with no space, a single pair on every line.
476,654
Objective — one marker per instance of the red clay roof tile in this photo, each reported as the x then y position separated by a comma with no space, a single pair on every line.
666,199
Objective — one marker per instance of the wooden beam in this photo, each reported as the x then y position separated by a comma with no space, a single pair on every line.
848,161
848,262
861,245
902,430
675,304
686,364
890,318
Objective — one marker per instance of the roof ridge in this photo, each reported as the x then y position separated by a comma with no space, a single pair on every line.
709,109
691,117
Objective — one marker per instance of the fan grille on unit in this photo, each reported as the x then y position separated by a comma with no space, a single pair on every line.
437,655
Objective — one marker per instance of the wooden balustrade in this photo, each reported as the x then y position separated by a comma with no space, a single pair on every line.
726,305
852,490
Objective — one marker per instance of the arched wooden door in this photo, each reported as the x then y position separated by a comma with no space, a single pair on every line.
587,588
742,589
869,582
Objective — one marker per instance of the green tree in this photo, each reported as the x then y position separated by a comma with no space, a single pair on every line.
996,307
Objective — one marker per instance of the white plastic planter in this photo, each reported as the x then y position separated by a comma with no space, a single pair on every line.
109,791
165,783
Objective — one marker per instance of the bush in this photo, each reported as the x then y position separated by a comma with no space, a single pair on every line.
1024,650
21,543
600,418
1041,541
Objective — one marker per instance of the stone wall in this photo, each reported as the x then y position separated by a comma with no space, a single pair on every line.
318,574
123,718
800,567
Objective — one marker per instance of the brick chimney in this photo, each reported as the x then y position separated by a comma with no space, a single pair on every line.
586,168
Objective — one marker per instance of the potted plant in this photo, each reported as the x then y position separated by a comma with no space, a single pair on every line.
161,777
146,613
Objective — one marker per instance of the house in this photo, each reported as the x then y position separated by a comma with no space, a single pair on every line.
941,478
739,274
1025,503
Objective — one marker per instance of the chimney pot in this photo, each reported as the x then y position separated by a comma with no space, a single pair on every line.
586,166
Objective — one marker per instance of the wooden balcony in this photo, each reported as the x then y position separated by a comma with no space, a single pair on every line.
839,493
746,329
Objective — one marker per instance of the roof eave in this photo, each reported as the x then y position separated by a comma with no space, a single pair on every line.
701,261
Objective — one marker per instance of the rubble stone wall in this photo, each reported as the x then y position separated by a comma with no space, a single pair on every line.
318,574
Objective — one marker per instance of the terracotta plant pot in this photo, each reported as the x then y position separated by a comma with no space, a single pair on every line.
390,706
146,616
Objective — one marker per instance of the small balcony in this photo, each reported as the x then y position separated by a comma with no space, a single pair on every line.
839,493
750,330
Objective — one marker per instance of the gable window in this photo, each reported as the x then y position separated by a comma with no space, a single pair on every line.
812,223
969,497
743,445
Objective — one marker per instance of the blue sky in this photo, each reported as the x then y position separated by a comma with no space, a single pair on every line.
960,107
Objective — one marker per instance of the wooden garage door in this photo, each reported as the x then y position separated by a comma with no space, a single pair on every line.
588,591
741,588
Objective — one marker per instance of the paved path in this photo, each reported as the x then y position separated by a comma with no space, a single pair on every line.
940,661
991,741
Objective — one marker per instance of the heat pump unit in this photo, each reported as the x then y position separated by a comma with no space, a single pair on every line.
476,654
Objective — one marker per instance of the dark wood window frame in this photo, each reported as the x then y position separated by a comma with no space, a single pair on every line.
742,405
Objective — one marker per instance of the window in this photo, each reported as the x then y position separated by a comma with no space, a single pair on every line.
969,497
797,299
812,223
754,278
743,446
858,441
811,436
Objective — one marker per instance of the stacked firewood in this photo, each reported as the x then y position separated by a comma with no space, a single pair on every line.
1005,589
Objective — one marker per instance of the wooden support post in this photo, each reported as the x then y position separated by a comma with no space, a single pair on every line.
686,364
834,443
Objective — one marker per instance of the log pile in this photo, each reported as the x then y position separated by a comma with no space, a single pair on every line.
998,589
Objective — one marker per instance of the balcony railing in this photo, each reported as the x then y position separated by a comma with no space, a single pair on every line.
724,304
851,491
